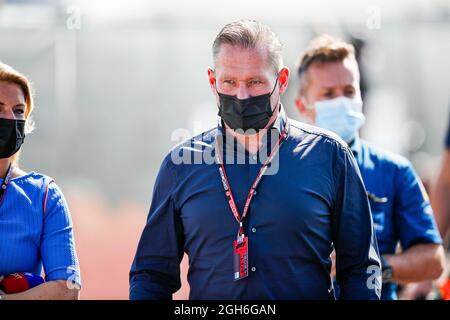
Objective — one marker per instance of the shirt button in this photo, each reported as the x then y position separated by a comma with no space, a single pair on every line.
253,269
253,229
254,157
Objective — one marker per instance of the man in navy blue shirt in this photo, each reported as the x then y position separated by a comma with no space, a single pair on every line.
259,202
329,97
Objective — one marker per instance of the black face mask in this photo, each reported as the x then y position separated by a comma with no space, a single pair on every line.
12,135
251,113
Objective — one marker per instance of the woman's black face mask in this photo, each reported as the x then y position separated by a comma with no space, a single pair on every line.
251,113
12,135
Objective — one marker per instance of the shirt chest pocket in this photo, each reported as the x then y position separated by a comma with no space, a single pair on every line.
378,206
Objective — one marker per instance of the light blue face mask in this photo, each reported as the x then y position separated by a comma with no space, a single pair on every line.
341,115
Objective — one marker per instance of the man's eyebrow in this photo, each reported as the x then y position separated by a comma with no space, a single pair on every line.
226,76
255,77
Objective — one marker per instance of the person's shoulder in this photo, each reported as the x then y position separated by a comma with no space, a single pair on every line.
385,156
32,177
304,132
37,184
206,138
189,148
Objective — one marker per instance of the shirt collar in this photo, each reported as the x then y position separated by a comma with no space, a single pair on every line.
280,121
356,148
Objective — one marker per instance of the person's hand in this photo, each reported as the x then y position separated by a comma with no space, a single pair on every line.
417,291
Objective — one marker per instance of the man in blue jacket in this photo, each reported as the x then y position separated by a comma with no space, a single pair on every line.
259,201
329,96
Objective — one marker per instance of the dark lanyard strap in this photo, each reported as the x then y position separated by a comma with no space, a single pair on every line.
5,183
227,187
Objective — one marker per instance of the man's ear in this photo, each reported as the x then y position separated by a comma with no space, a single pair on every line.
307,114
300,104
283,79
212,79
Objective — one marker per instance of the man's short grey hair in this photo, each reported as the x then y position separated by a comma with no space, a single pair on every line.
250,34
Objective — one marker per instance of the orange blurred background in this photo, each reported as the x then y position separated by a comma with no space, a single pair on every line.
106,240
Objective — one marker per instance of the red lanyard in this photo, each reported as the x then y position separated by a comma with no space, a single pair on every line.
5,184
227,187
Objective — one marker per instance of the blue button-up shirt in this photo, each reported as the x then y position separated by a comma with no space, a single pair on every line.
400,206
314,201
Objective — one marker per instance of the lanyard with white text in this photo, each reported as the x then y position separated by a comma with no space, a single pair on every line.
241,244
5,184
